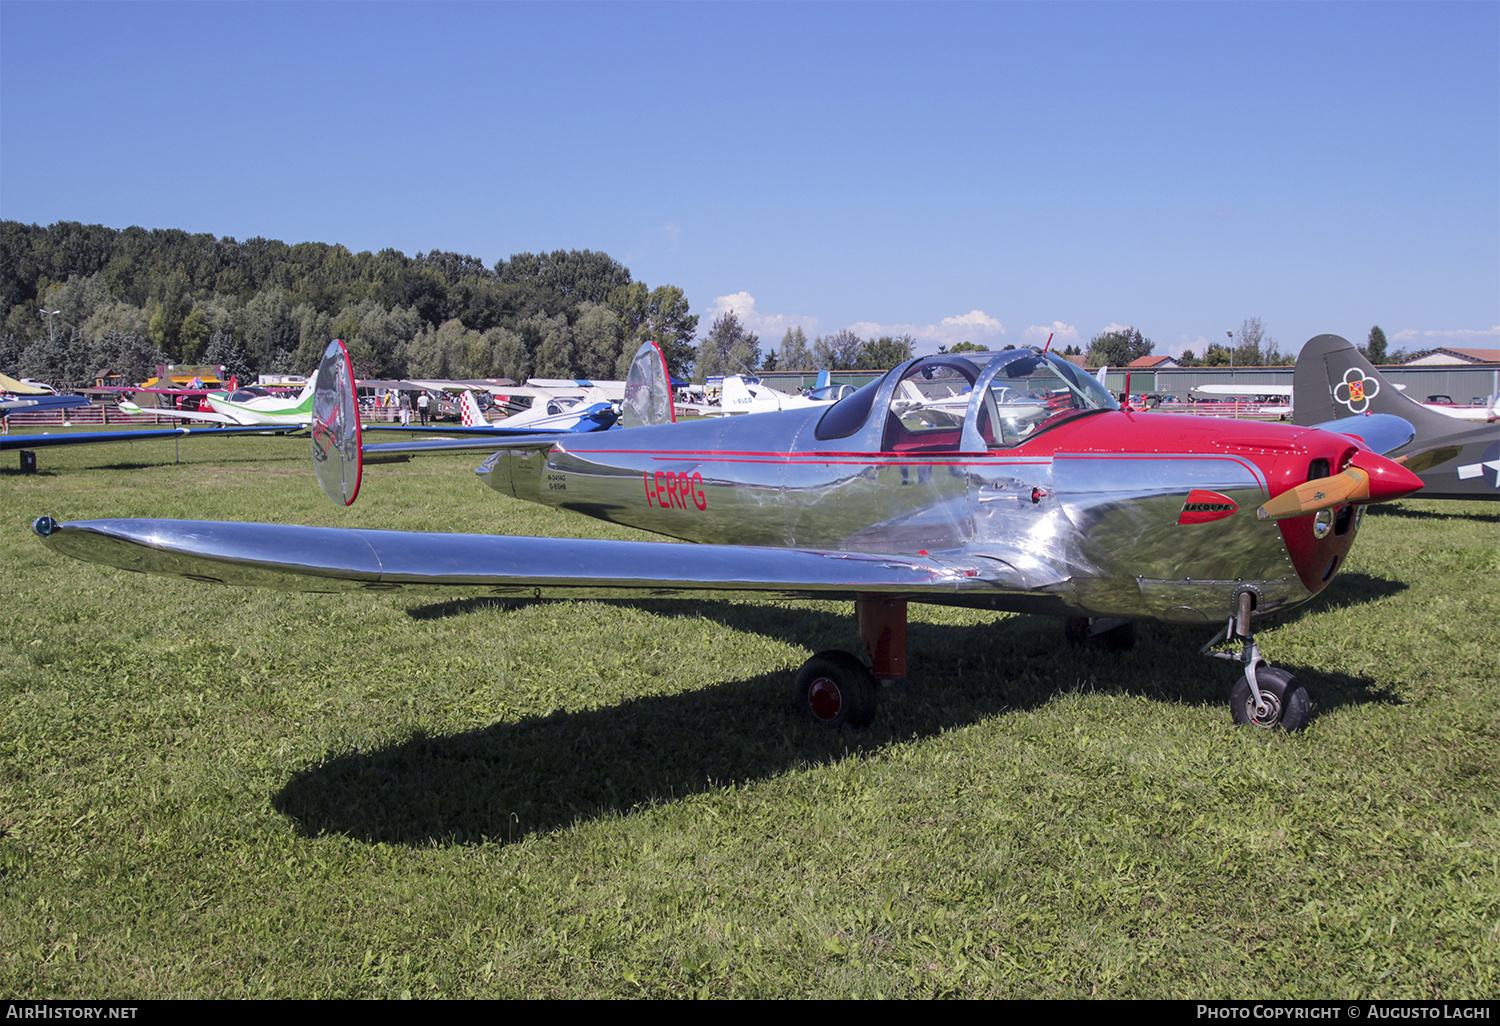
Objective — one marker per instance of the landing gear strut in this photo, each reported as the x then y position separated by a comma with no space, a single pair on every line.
834,688
1262,696
1112,635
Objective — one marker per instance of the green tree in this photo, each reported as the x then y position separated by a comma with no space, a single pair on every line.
193,335
557,353
599,336
1252,347
727,349
1375,346
1118,348
839,351
793,354
671,326
886,352
224,351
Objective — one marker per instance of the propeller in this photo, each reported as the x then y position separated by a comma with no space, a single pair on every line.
1369,478
1426,459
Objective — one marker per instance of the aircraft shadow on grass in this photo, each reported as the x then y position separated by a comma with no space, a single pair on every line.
501,783
1400,512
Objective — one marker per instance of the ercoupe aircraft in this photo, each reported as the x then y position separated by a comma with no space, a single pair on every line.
248,407
1042,496
1334,380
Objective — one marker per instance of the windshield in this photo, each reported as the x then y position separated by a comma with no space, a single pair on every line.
1034,392
1021,392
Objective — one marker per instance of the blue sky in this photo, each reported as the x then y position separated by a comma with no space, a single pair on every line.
990,172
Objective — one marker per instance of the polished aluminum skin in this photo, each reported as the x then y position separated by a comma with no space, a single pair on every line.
1069,533
1011,481
335,427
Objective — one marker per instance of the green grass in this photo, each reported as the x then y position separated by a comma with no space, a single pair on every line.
220,793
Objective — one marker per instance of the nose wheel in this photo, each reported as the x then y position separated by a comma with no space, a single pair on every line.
1263,696
1283,702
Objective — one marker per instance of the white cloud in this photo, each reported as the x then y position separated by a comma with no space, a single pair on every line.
1198,345
1456,334
770,327
1063,335
970,327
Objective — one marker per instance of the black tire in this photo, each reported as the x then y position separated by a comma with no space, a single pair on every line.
834,688
1116,639
1076,629
1288,706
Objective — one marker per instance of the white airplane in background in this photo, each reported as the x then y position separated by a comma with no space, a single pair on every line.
740,395
1484,412
547,417
253,406
547,413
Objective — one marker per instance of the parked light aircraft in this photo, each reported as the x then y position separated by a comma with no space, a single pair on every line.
1333,379
1041,497
247,407
741,394
546,417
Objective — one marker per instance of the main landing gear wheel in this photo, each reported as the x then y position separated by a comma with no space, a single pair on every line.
1285,702
834,688
1080,630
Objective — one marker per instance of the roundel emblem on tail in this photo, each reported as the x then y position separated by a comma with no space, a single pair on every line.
1203,507
1356,390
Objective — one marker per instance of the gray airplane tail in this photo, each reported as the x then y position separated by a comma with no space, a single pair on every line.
1333,380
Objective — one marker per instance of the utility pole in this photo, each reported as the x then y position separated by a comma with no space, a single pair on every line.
51,336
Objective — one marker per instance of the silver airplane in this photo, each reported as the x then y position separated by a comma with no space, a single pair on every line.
1040,495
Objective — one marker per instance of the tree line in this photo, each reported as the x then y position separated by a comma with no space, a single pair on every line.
80,298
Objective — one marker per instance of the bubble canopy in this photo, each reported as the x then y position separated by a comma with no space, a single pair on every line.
969,402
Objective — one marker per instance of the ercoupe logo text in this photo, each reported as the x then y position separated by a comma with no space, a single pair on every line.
1356,390
674,491
1202,507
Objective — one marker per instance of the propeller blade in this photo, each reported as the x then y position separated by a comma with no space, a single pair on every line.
1416,462
1351,485
1370,477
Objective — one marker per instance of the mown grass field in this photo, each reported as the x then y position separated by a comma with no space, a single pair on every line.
216,793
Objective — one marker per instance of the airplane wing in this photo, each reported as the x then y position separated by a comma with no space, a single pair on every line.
1249,389
41,402
327,559
167,411
42,441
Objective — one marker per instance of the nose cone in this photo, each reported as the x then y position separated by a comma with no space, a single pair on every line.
1388,479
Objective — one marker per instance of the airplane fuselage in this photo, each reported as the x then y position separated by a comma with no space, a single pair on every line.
1111,514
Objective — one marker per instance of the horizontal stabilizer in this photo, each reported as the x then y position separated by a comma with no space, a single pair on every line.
490,441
